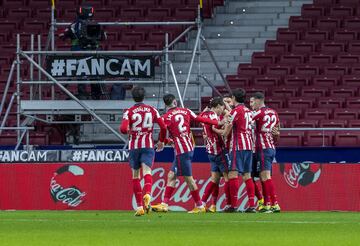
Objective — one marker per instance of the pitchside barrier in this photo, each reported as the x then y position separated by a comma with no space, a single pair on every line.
29,180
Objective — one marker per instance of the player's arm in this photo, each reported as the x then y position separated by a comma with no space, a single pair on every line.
160,121
218,131
208,121
124,127
229,125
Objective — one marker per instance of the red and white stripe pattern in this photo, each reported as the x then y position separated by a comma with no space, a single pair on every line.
214,142
141,119
178,122
241,119
266,119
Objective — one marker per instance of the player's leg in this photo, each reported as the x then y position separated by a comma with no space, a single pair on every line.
211,185
147,160
135,164
170,187
215,179
271,198
233,180
246,169
255,174
226,164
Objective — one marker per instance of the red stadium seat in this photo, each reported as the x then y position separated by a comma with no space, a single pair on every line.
332,48
330,102
236,81
116,4
345,35
289,113
299,23
303,47
312,11
275,47
188,13
332,123
320,59
352,103
328,23
307,70
303,123
172,3
346,114
291,59
260,58
132,36
347,138
275,102
334,70
348,58
317,113
253,88
351,80
131,12
294,80
342,11
277,70
266,81
285,91
158,13
290,139
327,81
13,4
324,2
249,69
314,91
316,35
354,47
285,34
352,23
354,123
348,2
301,102
319,138
145,3
344,91
354,71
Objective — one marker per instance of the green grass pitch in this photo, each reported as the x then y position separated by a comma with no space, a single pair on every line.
103,228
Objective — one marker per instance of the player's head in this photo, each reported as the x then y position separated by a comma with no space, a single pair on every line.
138,94
238,96
85,11
228,100
257,100
217,105
170,100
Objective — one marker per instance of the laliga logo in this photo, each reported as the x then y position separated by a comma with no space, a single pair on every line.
303,174
72,196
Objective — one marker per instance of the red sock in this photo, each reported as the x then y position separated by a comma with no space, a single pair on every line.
266,191
208,190
234,189
215,193
148,183
195,195
168,192
137,192
227,193
272,193
258,193
250,189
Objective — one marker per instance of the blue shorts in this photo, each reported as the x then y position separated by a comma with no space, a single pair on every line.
219,163
241,161
139,156
265,158
182,164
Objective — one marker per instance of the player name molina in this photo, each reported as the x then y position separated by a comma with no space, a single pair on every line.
95,155
130,67
11,156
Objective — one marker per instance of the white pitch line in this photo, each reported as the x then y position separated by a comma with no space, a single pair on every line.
136,220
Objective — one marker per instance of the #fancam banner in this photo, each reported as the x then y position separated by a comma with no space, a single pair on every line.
108,186
100,66
41,156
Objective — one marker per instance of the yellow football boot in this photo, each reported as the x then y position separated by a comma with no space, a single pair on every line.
161,207
275,208
198,210
212,209
139,211
260,204
147,199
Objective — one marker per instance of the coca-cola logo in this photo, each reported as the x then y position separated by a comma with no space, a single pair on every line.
181,199
302,174
71,196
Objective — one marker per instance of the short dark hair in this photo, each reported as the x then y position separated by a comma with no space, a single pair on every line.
138,94
239,95
258,95
168,99
216,101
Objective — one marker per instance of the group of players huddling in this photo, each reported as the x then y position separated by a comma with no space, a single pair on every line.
238,141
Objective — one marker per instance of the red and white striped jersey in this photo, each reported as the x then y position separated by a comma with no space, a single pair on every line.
214,143
241,120
265,119
178,122
138,122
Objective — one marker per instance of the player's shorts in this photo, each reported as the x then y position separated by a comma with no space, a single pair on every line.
265,158
219,163
138,156
181,166
241,161
255,167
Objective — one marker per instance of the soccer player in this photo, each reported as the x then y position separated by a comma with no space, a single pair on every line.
138,121
241,149
215,147
178,121
267,122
